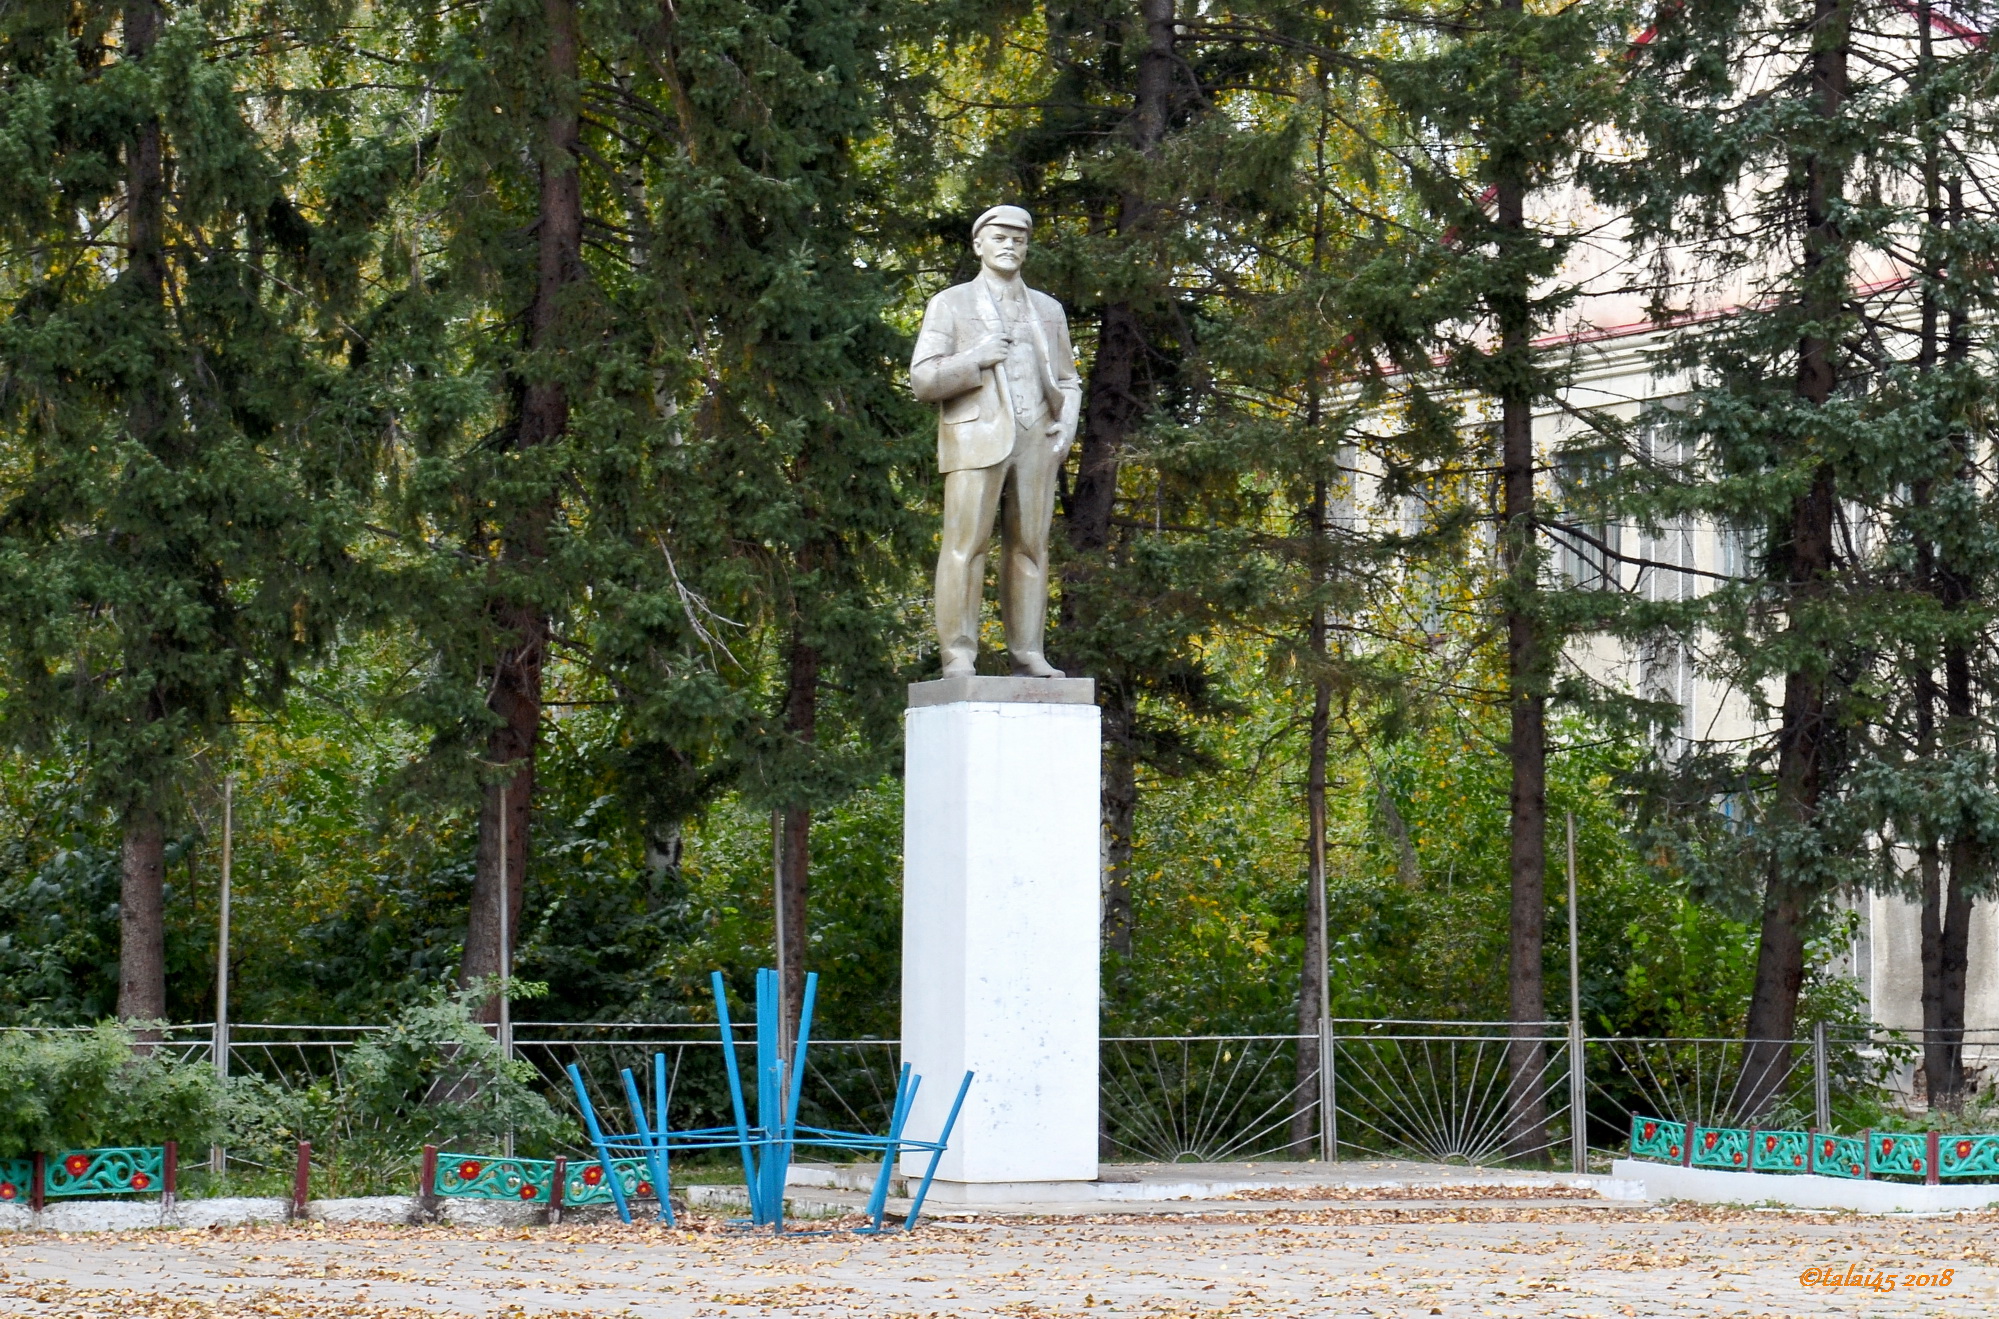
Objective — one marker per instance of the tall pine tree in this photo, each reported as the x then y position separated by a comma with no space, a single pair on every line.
1780,200
1140,141
1498,103
184,474
682,492
1927,761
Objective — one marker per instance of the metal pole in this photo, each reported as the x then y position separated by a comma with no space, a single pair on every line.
1578,1092
302,1182
1329,1117
1329,1095
777,926
219,1046
1821,1082
506,962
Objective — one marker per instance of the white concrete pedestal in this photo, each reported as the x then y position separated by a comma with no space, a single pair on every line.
999,930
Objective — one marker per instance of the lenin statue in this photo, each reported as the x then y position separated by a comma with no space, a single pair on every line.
995,355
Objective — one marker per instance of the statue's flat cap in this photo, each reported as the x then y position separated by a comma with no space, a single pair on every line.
1013,217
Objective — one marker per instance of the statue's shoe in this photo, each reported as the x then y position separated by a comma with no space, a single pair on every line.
1033,666
959,669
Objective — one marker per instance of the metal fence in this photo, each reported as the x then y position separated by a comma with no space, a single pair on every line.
1439,1091
1469,1092
848,1083
1460,1092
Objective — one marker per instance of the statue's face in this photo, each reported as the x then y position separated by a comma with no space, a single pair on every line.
1001,248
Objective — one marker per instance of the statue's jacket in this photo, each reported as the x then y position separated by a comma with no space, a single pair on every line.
975,424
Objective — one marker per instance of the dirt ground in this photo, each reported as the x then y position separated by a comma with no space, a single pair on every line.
1494,1259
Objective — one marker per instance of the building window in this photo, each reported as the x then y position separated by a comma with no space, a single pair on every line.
1586,543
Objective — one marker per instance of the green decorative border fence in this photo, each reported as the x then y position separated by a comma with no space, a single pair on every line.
530,1181
116,1170
1928,1155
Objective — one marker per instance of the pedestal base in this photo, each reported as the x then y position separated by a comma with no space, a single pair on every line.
1000,928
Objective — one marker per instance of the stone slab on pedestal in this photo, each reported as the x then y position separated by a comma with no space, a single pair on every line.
1000,928
1010,691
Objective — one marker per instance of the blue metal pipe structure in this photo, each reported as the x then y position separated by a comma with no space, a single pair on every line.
602,1143
764,1142
735,1087
769,1207
659,1091
655,1148
937,1149
659,1125
778,1168
798,1058
905,1094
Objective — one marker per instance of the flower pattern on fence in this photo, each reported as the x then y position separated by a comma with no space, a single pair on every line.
106,1172
1875,1154
1968,1156
113,1170
1656,1138
586,1184
477,1177
466,1177
1780,1151
1721,1147
1899,1152
1840,1156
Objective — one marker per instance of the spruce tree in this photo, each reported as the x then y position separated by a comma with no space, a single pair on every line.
792,485
1280,431
1497,103
682,493
1141,142
1776,139
181,500
1927,760
540,379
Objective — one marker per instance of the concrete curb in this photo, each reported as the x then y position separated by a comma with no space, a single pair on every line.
1667,1181
228,1211
239,1211
733,1198
366,1209
1120,1185
848,1184
133,1215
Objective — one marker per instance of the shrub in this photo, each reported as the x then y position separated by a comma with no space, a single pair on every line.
77,1089
433,1076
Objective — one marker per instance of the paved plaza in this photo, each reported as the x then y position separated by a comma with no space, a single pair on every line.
1486,1258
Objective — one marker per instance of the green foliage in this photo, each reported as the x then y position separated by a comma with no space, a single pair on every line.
259,515
854,935
58,901
200,426
77,1089
1785,155
1220,874
431,1075
436,1076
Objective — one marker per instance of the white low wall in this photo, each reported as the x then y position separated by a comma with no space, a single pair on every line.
1667,1181
222,1210
237,1211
